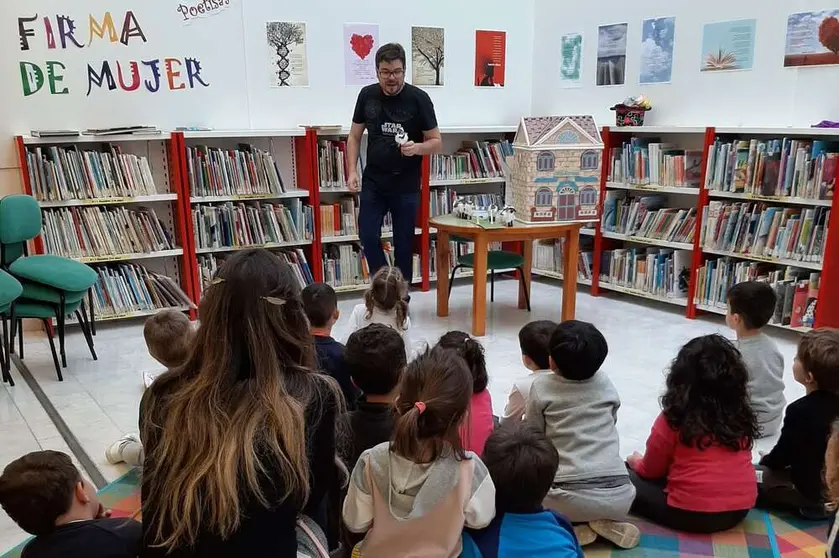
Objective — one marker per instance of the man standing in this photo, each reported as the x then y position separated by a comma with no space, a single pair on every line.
391,181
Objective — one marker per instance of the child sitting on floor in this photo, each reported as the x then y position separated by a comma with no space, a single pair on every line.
413,496
696,474
45,494
577,407
790,476
750,307
320,303
384,303
522,463
169,335
533,340
375,360
479,422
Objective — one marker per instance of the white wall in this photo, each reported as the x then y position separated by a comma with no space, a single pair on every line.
768,95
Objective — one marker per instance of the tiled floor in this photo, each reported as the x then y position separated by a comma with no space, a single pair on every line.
99,399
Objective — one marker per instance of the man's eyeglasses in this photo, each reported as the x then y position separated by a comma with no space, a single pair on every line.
387,74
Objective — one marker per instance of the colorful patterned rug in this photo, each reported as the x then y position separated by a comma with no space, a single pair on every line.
761,535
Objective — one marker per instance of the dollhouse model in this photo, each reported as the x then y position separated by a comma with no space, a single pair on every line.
555,170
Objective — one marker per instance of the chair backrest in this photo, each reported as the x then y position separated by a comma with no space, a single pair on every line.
20,221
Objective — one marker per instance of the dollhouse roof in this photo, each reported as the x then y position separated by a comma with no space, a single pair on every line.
542,132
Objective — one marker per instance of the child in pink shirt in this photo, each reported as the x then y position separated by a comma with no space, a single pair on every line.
479,424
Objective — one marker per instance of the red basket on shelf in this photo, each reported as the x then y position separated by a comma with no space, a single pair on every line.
626,115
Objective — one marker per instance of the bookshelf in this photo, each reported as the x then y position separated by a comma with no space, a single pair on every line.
761,219
247,189
88,187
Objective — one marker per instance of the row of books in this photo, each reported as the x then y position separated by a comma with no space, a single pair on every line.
775,167
443,200
123,288
643,161
226,172
645,216
549,255
208,265
58,173
332,163
657,271
766,231
341,218
796,290
103,231
251,224
344,265
475,159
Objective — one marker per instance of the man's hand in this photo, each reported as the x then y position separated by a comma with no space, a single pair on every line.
352,182
411,148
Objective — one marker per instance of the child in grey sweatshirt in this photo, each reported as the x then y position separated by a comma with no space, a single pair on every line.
750,307
577,407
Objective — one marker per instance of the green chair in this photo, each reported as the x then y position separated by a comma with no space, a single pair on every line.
59,284
33,309
496,259
10,290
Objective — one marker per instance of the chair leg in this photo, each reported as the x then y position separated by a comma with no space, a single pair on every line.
20,338
60,318
492,285
92,317
451,280
12,327
86,331
52,349
524,288
7,357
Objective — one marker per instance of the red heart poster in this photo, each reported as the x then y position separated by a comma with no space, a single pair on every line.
360,43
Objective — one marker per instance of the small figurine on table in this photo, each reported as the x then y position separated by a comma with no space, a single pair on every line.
470,210
508,214
492,215
459,208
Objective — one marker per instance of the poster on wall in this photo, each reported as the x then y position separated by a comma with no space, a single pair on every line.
490,58
428,56
728,45
611,54
657,37
812,39
571,60
287,63
192,10
360,43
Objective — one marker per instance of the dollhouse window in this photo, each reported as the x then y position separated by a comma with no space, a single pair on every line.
545,161
589,160
566,207
567,136
588,196
544,197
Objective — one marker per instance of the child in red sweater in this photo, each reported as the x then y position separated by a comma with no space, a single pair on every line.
697,473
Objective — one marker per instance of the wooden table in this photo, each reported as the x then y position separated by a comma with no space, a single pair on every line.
447,225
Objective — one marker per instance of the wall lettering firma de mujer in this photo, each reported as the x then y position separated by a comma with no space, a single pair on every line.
61,33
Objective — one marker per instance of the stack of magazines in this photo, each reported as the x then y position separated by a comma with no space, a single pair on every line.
251,224
124,288
77,232
58,173
243,171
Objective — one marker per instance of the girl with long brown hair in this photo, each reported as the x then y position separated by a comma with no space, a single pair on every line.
385,303
241,438
413,495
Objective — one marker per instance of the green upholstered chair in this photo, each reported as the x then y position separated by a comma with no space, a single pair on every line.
10,290
496,260
33,309
49,281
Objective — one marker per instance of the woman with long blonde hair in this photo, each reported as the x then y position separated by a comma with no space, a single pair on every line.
241,439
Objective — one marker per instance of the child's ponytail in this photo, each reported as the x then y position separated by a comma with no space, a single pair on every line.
387,292
472,352
433,399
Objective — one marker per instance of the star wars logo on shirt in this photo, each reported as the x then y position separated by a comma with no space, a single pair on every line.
392,129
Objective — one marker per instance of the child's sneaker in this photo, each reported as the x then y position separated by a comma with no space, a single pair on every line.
585,534
622,535
114,453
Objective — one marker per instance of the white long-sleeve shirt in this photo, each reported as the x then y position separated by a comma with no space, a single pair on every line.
359,320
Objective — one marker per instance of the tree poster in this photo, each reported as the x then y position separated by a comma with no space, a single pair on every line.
490,58
728,45
360,43
812,39
427,55
571,60
287,62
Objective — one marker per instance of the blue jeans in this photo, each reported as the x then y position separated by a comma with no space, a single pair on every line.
375,204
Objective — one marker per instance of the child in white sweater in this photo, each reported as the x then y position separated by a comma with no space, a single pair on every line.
384,303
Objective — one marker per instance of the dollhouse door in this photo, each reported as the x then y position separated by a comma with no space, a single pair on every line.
566,204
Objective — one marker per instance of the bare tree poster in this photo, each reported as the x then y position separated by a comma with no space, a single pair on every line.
427,55
287,63
611,54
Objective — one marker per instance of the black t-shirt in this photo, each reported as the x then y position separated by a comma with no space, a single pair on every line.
99,538
384,116
371,424
331,361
